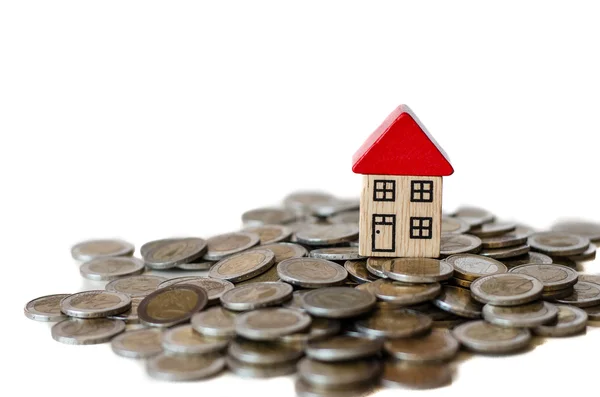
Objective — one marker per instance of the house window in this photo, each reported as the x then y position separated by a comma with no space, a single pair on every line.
384,190
420,227
421,191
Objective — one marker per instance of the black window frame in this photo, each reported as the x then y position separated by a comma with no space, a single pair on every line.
421,190
384,190
416,231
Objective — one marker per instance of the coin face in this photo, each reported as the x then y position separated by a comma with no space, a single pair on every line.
184,367
303,200
507,289
311,272
266,353
552,276
417,270
357,271
518,236
404,294
228,244
215,321
458,301
269,275
584,294
332,374
130,316
196,265
143,343
590,278
214,287
256,295
528,258
558,243
266,216
337,302
345,217
109,268
336,253
587,255
183,339
77,331
375,267
135,286
341,348
493,229
451,244
471,267
327,234
91,249
570,321
454,225
394,324
45,308
529,315
172,305
589,230
270,234
90,304
168,253
474,216
269,324
422,376
508,252
285,251
320,328
483,337
438,345
243,266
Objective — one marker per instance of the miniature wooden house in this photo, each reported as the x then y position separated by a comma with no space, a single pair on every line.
401,200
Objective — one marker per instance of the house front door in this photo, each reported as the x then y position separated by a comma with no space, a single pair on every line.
384,233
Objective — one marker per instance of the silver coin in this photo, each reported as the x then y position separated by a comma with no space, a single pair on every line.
183,339
269,324
558,243
311,272
508,252
590,278
215,321
570,321
483,337
130,316
417,270
91,249
320,328
90,304
410,375
177,280
266,353
375,266
471,267
270,234
357,271
516,237
214,287
527,316
345,217
474,216
528,258
593,312
301,201
336,253
336,206
452,225
285,251
404,294
317,235
184,367
552,276
45,308
266,216
256,295
394,324
135,286
168,253
77,331
341,348
493,229
438,345
332,374
143,343
451,244
296,301
260,371
109,268
337,302
196,265
224,245
580,228
243,266
587,255
507,289
584,294
458,301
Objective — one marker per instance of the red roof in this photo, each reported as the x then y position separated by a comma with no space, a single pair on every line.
401,146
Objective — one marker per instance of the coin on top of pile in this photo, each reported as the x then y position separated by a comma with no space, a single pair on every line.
79,331
266,216
336,253
451,244
483,337
46,308
492,229
474,216
270,323
143,343
256,295
168,253
135,286
110,268
184,367
243,266
215,321
92,249
224,245
302,201
584,294
286,250
507,289
93,304
452,225
172,305
417,270
558,243
183,339
337,302
458,301
270,234
311,272
529,315
263,352
570,321
400,323
554,277
589,230
438,345
130,316
357,271
471,267
404,294
319,235
343,347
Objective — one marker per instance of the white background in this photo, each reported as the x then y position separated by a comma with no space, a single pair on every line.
150,119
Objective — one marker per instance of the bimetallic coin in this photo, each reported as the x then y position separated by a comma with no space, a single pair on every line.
224,245
474,216
215,321
508,252
454,225
303,200
318,235
552,276
459,282
168,253
557,294
527,316
558,243
336,253
394,324
580,228
471,267
341,348
184,340
518,236
311,272
528,258
587,255
256,295
416,376
507,289
91,249
243,266
184,367
590,278
260,371
214,287
285,251
45,308
92,304
77,331
375,266
483,337
270,234
172,305
269,324
458,301
335,206
143,343
417,270
135,286
269,275
320,328
404,294
332,374
266,216
438,345
593,312
130,316
267,353
493,229
584,294
357,271
451,244
337,302
296,302
109,268
570,321
196,265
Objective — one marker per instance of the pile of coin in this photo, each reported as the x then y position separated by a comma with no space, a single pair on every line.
289,293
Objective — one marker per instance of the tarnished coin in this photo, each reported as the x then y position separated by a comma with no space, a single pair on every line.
474,216
337,302
143,343
224,245
452,225
260,371
45,308
253,352
285,251
184,367
471,267
587,255
196,265
438,345
552,276
557,294
91,249
214,287
570,321
459,282
266,216
404,294
584,294
580,228
320,328
345,217
98,303
528,258
394,324
311,272
507,252
517,237
451,244
416,376
269,275
332,374
302,201
341,348
168,253
458,301
184,340
256,295
590,278
558,243
109,268
269,324
77,331
417,270
527,316
336,253
593,312
507,289
357,271
483,337
316,235
172,305
130,316
270,234
375,266
135,286
243,266
215,321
